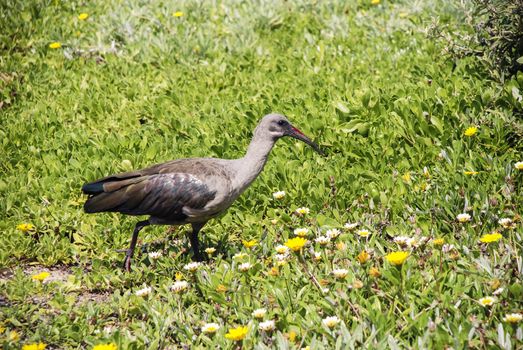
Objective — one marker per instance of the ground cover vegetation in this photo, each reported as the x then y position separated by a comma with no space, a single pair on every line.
407,235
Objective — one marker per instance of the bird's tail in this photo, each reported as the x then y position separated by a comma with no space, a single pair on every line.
107,194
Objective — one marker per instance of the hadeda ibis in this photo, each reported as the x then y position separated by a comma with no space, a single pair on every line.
188,191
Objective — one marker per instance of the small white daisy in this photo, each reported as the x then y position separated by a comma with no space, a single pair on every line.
259,313
303,211
192,266
179,286
281,249
351,226
340,273
244,267
278,195
301,232
332,233
155,255
210,328
463,217
331,321
267,326
143,292
323,240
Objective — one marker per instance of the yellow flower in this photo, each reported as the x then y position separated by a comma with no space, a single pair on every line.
221,288
237,334
518,165
83,16
14,336
341,246
273,271
363,233
41,276
295,244
25,227
363,257
487,301
178,276
110,346
249,244
470,172
513,318
178,14
490,237
374,272
34,346
397,258
438,241
210,250
292,336
471,131
406,177
375,2
55,45
357,284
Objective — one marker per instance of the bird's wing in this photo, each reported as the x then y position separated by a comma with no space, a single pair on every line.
163,195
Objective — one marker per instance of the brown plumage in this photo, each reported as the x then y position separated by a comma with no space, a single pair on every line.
187,191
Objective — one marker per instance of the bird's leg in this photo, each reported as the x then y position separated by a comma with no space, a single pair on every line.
134,239
193,236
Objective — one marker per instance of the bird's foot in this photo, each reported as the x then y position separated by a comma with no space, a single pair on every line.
127,263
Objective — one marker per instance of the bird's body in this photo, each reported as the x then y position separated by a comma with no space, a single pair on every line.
187,191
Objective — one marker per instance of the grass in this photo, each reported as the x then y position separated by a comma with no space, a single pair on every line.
133,85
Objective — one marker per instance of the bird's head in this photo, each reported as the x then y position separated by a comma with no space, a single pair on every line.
278,126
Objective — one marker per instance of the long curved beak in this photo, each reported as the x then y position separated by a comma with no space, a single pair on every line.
297,134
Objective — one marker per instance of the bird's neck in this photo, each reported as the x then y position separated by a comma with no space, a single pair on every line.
251,165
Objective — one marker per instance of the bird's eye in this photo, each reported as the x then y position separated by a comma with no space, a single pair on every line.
282,122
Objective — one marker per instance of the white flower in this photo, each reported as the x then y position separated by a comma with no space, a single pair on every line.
303,211
210,250
278,195
340,273
322,240
487,301
192,266
464,217
447,248
281,257
143,292
281,249
518,165
351,226
210,328
179,286
401,240
331,321
301,232
259,313
244,267
506,222
267,326
316,256
513,318
155,255
498,291
332,233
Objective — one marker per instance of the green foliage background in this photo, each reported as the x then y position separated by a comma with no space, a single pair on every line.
135,83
